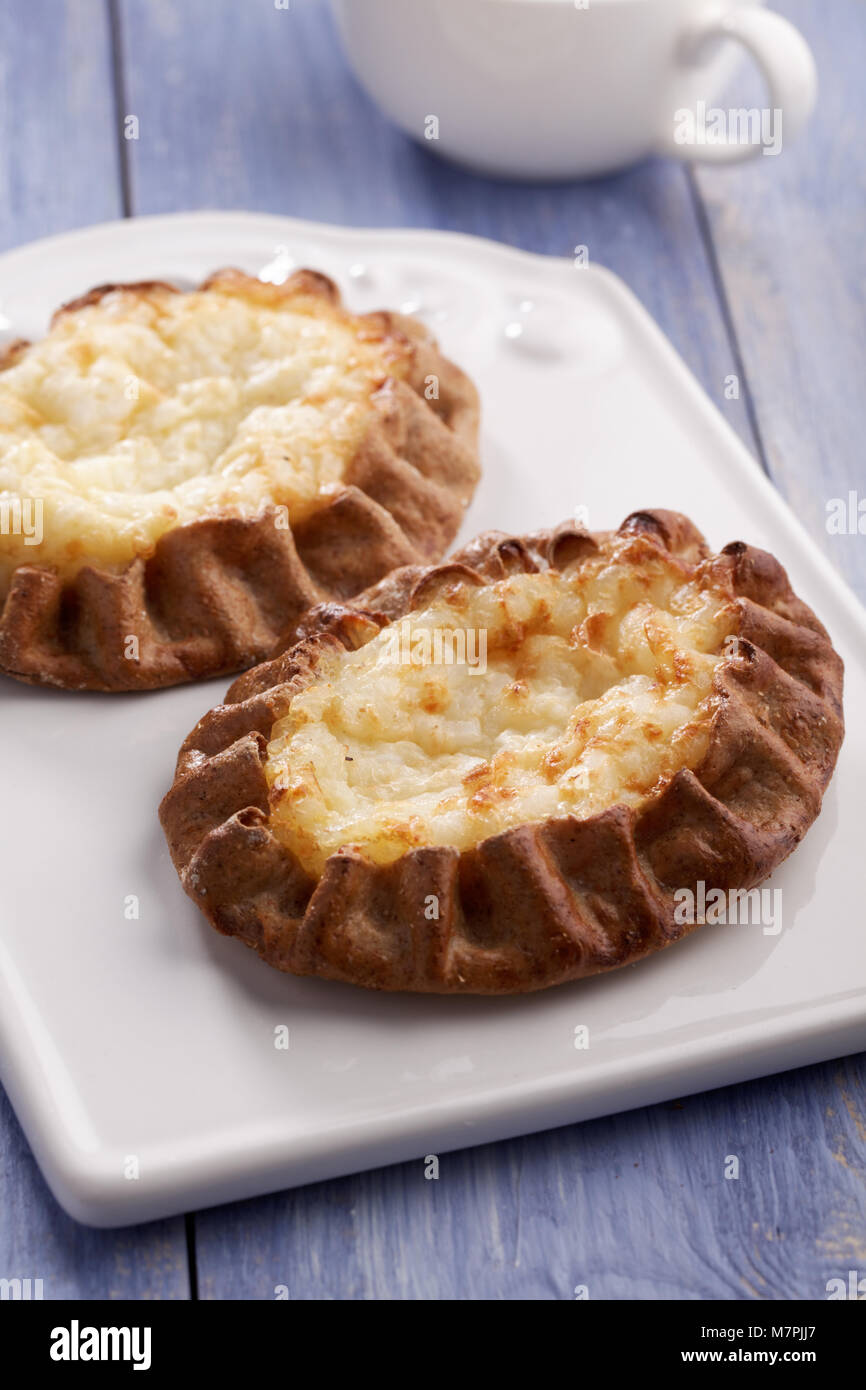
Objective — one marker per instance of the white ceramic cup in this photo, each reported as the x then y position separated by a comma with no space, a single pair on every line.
546,89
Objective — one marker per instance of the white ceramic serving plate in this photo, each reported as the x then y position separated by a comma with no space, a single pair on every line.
153,1039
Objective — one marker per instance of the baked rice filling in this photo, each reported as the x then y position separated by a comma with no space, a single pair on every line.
148,409
550,694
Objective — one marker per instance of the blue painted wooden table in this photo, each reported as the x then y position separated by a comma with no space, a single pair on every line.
758,271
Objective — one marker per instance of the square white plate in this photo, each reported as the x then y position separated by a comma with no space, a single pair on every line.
153,1039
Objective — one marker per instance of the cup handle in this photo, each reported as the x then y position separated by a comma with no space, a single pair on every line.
789,70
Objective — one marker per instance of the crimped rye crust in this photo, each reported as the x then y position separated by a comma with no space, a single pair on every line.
215,594
546,902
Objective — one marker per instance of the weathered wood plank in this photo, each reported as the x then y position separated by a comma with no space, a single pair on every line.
59,169
634,1206
789,238
39,1241
58,134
